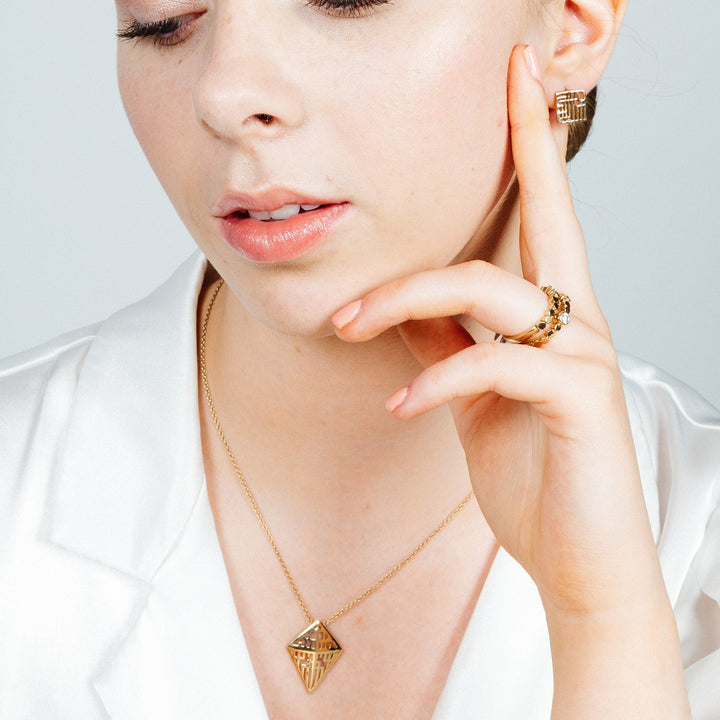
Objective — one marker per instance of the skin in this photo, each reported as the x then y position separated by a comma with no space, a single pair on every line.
312,84
404,113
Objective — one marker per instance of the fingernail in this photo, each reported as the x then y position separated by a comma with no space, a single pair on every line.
396,400
343,317
533,62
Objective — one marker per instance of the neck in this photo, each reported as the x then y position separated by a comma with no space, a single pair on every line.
316,405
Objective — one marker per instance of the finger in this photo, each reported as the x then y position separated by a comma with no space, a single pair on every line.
497,299
554,248
431,341
556,385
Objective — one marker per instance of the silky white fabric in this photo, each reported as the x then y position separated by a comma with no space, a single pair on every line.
114,600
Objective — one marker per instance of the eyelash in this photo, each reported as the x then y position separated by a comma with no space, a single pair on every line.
346,8
164,33
174,30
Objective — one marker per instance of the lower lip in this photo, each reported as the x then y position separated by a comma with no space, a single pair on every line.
278,241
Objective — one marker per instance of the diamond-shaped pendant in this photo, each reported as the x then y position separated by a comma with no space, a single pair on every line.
314,651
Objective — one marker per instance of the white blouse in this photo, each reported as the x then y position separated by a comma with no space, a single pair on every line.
114,599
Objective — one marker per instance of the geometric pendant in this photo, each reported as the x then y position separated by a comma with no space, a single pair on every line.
314,651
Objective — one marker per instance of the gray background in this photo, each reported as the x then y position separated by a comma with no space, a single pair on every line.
85,227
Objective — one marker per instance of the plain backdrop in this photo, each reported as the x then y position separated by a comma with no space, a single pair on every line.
85,228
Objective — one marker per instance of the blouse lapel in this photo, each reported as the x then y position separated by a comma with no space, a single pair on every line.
503,667
129,493
131,465
185,657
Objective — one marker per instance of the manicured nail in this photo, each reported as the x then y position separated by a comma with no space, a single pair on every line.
343,317
396,400
533,62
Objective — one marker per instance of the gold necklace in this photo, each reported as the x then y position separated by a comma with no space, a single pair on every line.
314,651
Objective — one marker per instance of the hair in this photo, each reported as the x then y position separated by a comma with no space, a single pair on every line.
579,131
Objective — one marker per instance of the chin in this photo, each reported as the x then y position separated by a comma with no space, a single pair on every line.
295,313
295,324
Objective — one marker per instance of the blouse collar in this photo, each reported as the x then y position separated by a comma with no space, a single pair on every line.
130,467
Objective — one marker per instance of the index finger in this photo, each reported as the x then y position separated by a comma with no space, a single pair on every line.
555,249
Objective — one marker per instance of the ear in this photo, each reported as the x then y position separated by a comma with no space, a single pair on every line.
580,42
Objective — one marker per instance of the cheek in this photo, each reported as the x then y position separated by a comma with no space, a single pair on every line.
433,122
158,103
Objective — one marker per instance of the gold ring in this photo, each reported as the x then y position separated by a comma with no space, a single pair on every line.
552,322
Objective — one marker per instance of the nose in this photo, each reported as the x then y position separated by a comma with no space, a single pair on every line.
246,90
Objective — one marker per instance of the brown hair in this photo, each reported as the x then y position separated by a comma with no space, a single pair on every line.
580,131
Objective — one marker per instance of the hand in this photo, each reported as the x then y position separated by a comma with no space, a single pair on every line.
545,430
546,433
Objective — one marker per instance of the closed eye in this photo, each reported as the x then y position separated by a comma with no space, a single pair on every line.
163,33
346,8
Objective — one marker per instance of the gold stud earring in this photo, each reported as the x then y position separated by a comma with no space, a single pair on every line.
570,106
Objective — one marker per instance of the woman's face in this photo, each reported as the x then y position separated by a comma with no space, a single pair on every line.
392,115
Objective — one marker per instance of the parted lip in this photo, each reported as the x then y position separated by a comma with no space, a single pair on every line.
267,200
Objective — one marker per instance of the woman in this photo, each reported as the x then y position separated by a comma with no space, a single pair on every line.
474,522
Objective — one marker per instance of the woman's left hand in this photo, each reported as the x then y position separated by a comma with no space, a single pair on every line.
545,431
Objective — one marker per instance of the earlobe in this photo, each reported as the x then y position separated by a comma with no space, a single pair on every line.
583,44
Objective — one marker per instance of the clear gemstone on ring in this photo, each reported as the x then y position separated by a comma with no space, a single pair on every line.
564,318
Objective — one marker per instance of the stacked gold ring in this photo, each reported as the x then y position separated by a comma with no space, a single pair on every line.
552,322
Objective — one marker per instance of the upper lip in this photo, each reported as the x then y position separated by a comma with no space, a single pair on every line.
267,200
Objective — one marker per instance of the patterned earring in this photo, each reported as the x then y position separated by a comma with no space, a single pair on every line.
570,106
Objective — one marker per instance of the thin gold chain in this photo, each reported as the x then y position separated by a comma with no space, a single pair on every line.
256,508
